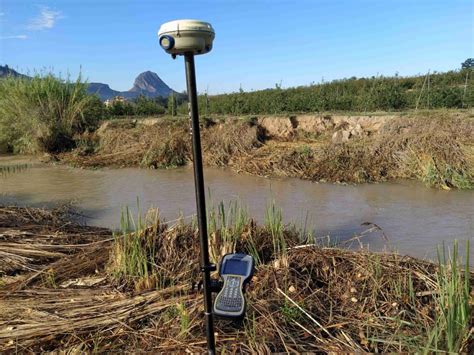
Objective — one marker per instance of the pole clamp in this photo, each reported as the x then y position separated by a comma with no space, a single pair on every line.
209,267
215,286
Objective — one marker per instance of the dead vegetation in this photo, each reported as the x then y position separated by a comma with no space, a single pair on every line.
305,298
435,147
165,144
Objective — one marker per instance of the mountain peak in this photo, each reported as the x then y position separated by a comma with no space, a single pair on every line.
7,71
149,83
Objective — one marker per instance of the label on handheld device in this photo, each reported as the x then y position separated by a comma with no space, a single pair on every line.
236,270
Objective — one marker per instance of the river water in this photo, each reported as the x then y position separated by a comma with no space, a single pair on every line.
414,218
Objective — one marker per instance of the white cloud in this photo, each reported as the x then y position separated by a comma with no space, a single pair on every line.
46,19
14,37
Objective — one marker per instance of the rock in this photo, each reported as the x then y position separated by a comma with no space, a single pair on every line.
357,131
346,135
341,136
277,127
338,120
311,124
372,124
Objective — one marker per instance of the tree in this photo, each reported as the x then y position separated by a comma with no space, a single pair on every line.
147,106
468,63
172,104
121,108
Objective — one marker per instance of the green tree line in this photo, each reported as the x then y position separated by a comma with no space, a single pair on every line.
453,89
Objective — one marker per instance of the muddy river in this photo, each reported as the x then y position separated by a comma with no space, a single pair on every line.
414,218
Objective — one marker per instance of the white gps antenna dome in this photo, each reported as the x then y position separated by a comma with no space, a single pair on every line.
186,36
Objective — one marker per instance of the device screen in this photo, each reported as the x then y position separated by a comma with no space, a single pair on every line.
235,267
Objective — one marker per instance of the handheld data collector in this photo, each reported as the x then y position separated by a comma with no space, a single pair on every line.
236,271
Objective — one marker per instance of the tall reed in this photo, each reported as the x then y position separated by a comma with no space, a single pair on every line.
453,310
226,225
274,225
43,113
133,256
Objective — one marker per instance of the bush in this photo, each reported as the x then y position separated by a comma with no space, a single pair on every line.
93,113
42,114
145,106
120,108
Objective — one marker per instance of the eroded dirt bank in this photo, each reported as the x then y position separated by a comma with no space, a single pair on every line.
65,287
436,147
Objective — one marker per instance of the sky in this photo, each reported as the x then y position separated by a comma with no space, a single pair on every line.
258,43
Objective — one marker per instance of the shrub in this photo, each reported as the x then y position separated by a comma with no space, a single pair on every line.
120,108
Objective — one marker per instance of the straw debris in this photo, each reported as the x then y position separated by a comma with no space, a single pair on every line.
435,147
320,300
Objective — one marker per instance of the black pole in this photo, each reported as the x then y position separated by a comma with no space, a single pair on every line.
206,267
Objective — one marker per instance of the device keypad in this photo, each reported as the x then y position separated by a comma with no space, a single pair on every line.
231,299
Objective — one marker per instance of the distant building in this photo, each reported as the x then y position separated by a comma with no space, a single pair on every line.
110,102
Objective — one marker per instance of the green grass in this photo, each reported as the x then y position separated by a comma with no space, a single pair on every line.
225,227
448,330
134,249
184,319
446,176
274,225
453,311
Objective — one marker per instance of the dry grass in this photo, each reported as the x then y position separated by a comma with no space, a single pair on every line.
222,143
435,147
166,144
320,300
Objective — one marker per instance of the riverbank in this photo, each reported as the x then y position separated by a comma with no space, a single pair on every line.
67,287
435,147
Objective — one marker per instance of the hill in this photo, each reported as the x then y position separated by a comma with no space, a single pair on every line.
147,83
5,70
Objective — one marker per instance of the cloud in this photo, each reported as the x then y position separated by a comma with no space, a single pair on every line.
46,19
14,37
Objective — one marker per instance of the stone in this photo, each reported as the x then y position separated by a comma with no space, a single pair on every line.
277,127
310,124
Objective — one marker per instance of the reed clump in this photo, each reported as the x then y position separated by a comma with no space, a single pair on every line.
43,113
322,299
